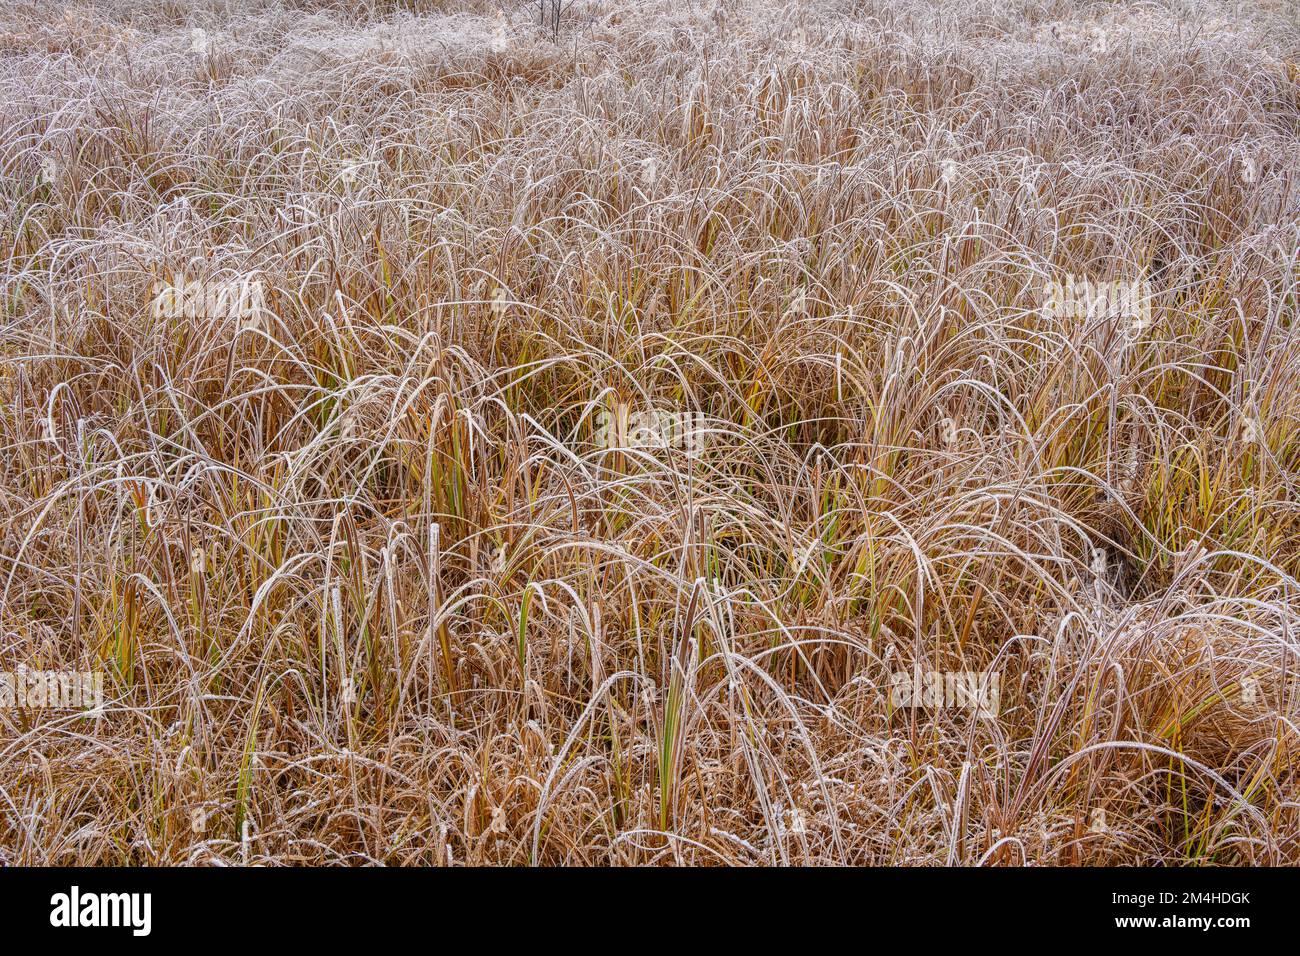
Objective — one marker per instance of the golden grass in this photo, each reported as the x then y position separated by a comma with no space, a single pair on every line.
369,588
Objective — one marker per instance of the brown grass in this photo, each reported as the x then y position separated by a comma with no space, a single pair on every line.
828,244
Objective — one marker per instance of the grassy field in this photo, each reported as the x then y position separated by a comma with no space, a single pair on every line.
749,433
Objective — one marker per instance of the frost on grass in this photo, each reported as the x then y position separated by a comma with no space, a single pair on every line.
366,577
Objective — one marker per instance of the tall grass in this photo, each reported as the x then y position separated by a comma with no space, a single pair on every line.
368,585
